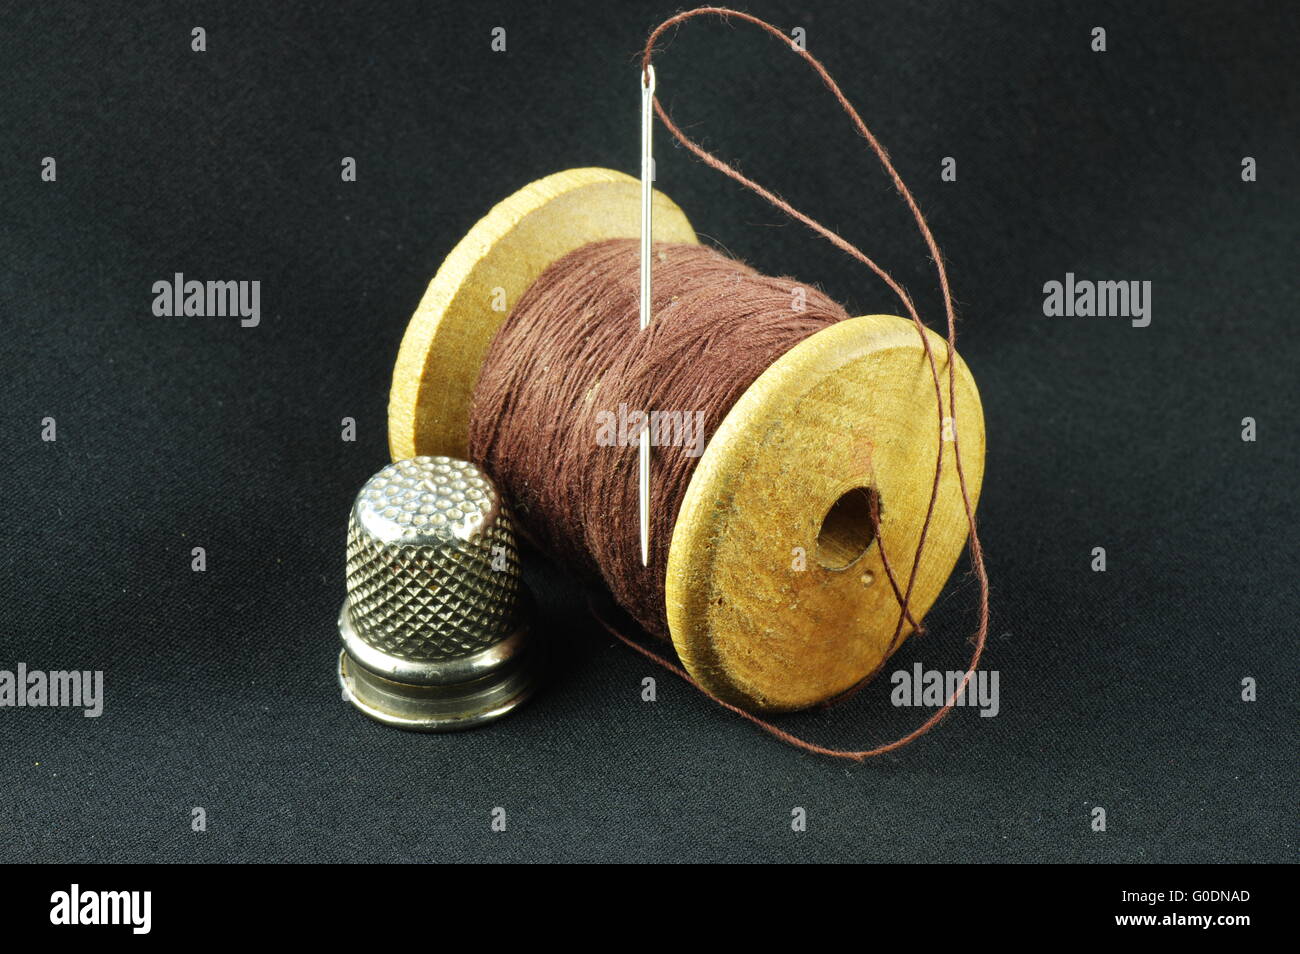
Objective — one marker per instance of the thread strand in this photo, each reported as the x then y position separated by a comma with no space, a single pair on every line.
975,548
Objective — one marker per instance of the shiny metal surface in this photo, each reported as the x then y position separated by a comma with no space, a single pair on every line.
433,633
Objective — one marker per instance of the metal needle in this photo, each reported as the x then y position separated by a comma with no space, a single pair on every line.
647,177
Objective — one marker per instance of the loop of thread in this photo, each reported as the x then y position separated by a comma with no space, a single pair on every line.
976,550
569,350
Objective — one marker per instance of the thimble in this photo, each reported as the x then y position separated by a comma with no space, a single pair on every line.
435,635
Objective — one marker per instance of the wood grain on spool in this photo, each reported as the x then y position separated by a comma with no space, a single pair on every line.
851,407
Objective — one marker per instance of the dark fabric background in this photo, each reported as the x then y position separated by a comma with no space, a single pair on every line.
1119,689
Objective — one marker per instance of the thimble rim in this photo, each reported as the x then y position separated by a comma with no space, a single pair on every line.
439,708
431,672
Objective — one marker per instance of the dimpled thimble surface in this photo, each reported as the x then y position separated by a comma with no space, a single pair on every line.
433,635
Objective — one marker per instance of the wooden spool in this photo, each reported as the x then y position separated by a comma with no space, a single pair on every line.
776,594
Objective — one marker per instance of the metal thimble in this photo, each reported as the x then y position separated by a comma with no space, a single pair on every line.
434,636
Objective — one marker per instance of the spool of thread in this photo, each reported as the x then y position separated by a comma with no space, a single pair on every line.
783,550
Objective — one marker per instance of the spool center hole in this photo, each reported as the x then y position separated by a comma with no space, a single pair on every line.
846,531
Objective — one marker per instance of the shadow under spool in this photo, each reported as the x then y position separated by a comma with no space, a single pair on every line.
775,592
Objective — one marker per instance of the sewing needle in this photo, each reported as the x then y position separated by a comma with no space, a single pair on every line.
647,177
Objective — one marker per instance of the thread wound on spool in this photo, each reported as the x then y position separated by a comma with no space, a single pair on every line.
570,355
862,354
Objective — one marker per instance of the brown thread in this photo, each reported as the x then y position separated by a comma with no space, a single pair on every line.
976,550
577,529
571,349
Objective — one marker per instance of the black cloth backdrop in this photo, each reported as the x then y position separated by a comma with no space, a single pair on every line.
1119,689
